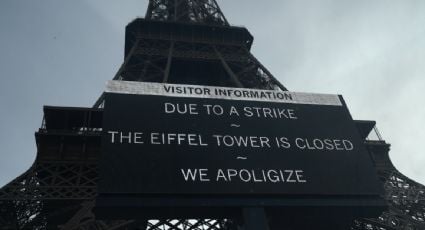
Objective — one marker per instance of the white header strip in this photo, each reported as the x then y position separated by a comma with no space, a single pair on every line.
197,91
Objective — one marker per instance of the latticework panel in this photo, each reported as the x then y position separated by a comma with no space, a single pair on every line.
193,224
406,199
67,180
31,201
197,11
175,224
54,180
152,60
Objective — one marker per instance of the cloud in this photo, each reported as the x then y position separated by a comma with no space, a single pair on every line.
371,52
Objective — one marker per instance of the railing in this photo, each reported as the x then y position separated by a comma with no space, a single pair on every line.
375,135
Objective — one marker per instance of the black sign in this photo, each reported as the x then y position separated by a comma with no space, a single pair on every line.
155,144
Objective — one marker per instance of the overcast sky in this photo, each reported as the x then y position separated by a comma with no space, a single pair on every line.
61,52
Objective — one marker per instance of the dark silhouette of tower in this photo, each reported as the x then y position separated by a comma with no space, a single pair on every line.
184,42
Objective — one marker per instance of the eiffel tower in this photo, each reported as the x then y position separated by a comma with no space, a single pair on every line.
183,42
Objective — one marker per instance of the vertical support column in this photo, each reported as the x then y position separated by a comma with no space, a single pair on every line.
127,59
275,81
227,68
169,60
148,14
100,100
255,218
226,23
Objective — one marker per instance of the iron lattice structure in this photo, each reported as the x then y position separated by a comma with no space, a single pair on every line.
179,41
406,198
197,11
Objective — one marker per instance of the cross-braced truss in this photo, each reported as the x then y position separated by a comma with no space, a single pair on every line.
406,198
151,60
195,11
407,205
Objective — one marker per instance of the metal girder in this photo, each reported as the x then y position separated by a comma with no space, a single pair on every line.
196,11
191,224
228,69
151,61
54,181
169,60
406,200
